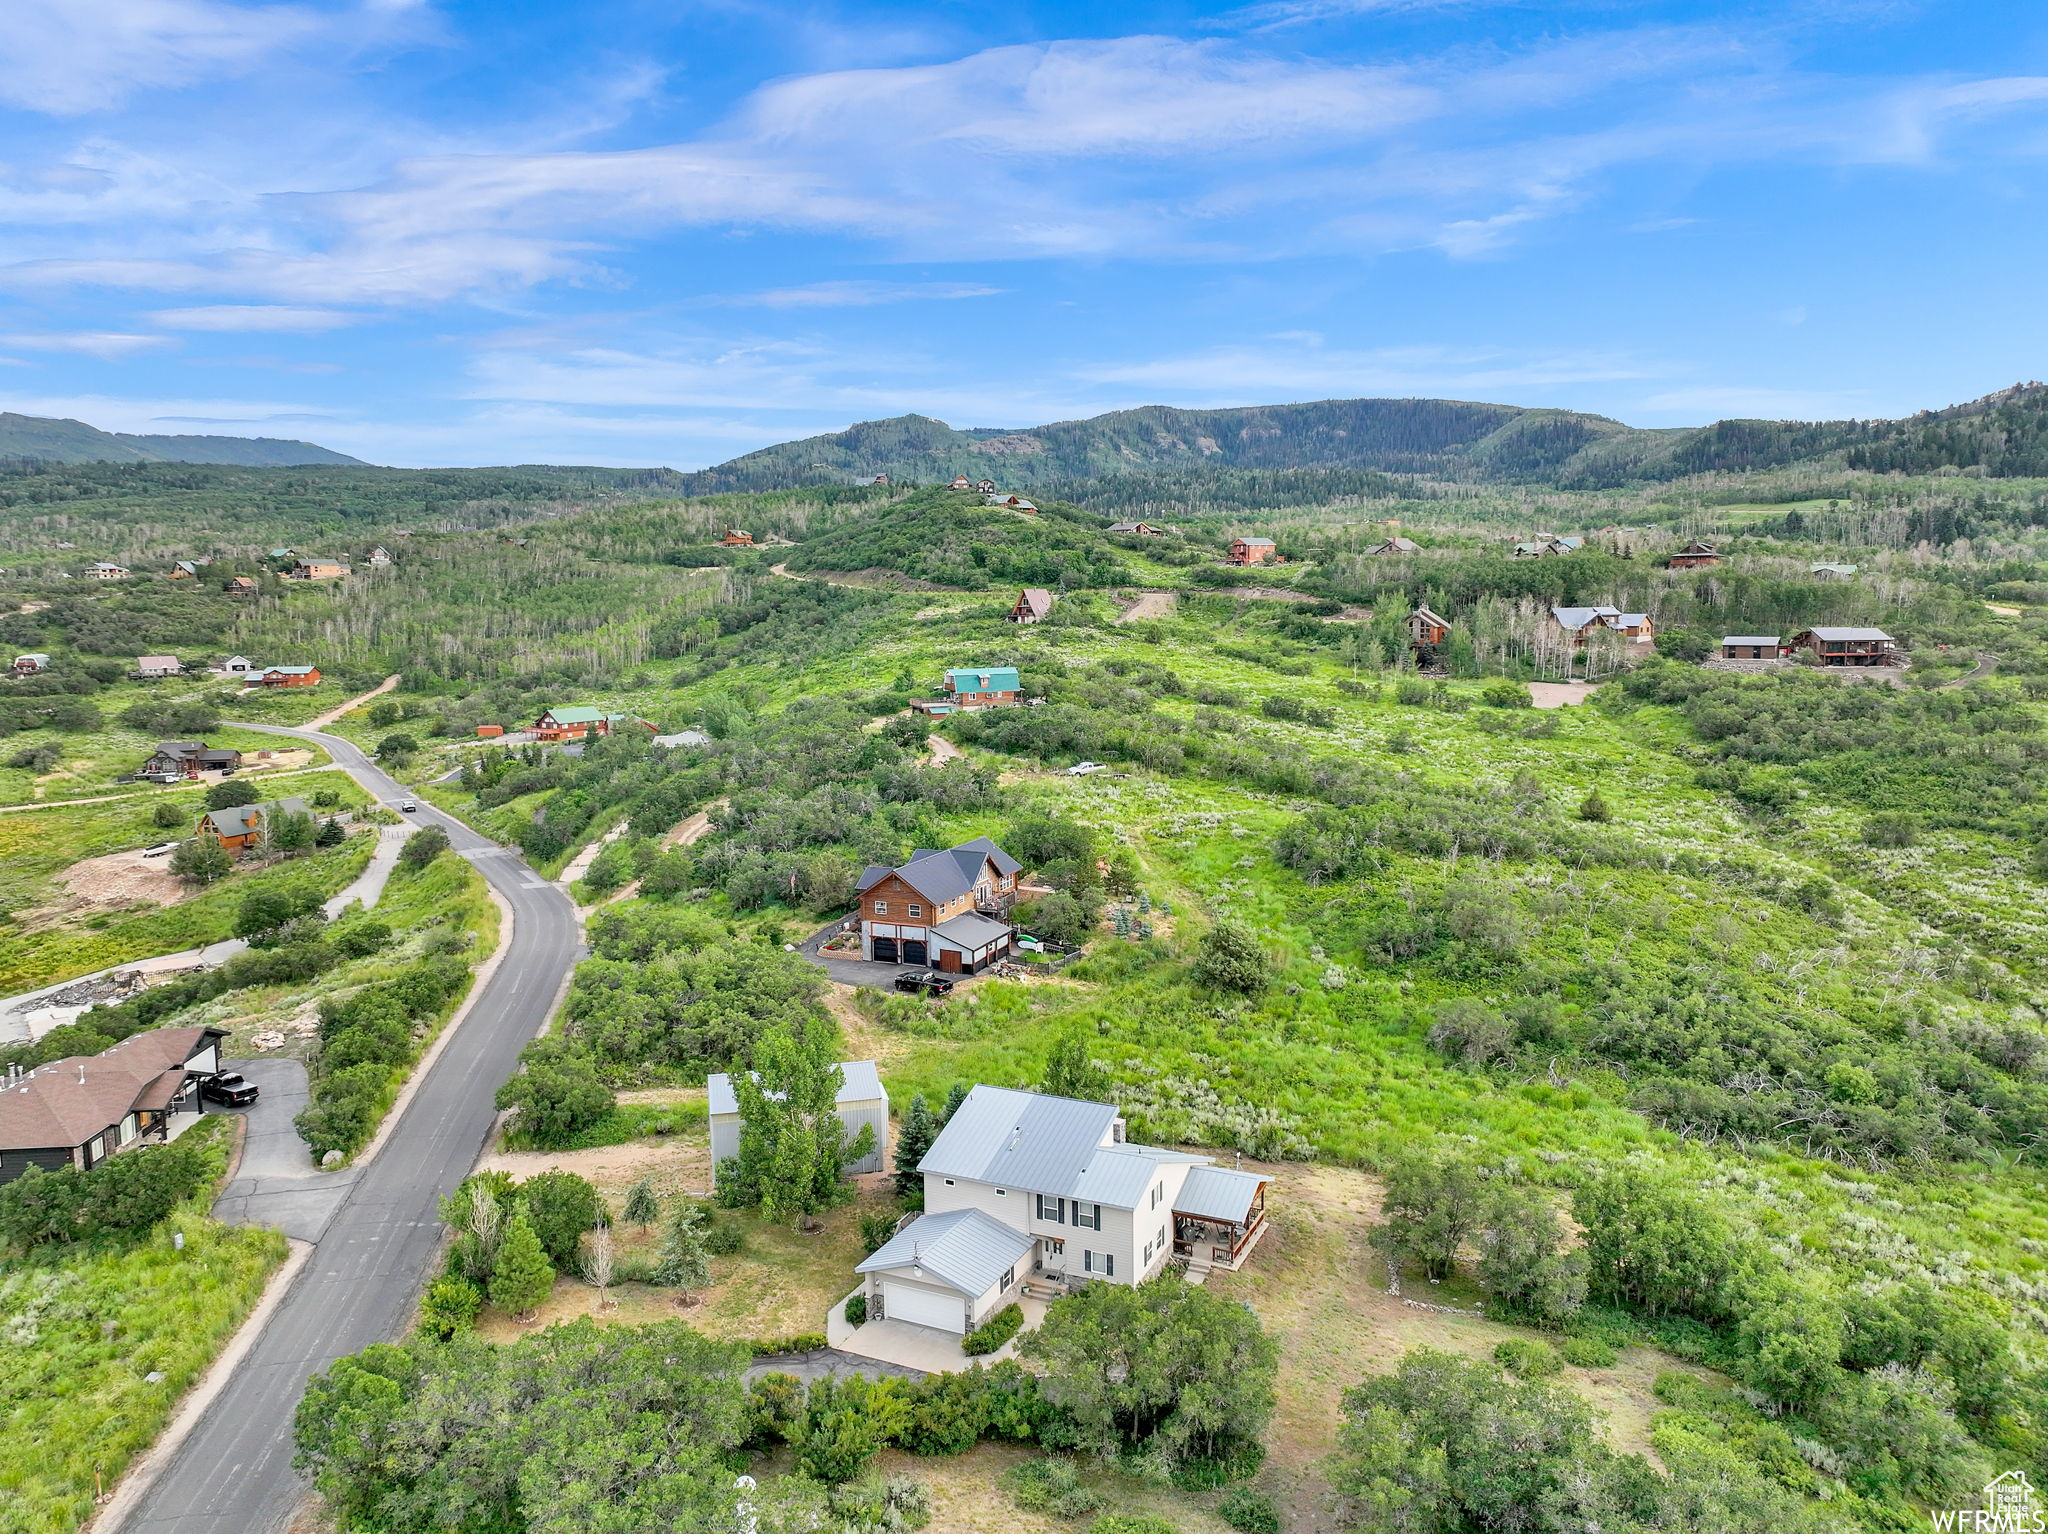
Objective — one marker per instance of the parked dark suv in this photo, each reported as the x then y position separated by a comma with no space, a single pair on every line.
928,981
228,1089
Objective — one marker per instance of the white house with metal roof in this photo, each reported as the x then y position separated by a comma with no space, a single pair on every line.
1022,1190
861,1100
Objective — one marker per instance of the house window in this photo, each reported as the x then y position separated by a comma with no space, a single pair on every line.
1052,1209
1157,1189
913,910
881,908
1087,1216
1148,1254
949,1182
1002,1193
1099,1262
1009,1276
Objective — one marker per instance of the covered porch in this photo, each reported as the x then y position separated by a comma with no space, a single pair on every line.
1218,1218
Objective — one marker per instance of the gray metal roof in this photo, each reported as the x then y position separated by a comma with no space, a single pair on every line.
963,1249
1836,633
1118,1175
1020,1140
859,1083
236,821
970,930
1727,639
1218,1193
683,738
943,876
1579,617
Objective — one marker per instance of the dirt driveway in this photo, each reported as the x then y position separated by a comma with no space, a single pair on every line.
122,879
1561,694
1150,604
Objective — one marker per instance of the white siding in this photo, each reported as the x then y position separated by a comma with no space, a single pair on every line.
725,1133
725,1137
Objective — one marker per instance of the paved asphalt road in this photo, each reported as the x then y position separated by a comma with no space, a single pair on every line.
233,1474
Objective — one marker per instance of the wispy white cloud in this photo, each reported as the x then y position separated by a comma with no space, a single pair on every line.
858,294
290,319
72,56
108,345
1298,367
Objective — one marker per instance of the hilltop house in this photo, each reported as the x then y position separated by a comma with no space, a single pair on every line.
961,482
985,486
576,724
378,557
106,570
860,1101
1252,551
1848,646
80,1110
1032,604
239,585
186,569
1137,529
948,910
737,538
189,758
1584,622
987,687
1826,572
1695,556
1426,629
290,676
242,827
149,667
30,664
1751,647
1012,503
1396,545
1545,546
1024,1191
316,569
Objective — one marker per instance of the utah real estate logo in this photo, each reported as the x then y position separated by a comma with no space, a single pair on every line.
2009,1508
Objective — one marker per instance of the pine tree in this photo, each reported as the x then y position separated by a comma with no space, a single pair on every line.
684,1264
954,1099
643,1205
523,1277
913,1138
1595,808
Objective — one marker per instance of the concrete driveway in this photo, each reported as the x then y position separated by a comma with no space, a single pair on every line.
819,1362
876,977
277,1183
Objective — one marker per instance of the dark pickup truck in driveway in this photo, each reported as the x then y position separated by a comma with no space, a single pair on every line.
228,1089
928,981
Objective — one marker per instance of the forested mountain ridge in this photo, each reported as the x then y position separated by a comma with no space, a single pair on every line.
50,439
2003,434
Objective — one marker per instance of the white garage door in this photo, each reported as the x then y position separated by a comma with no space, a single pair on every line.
924,1307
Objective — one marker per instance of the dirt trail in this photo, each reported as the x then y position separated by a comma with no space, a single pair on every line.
682,834
943,750
1561,694
1150,604
335,713
1986,664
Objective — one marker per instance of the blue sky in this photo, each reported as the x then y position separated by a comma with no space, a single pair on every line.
666,232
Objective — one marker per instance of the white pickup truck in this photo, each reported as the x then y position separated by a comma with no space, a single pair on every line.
1083,769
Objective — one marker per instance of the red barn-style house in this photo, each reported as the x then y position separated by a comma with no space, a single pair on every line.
737,538
290,676
574,724
946,910
1252,551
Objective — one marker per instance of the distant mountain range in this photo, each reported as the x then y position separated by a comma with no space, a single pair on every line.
2003,434
49,439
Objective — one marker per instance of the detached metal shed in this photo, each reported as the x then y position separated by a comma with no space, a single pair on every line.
861,1100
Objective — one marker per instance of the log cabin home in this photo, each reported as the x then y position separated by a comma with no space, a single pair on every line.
189,758
1848,646
288,676
737,538
239,586
80,1110
559,724
1137,530
1752,647
1031,606
943,910
1426,630
186,569
1584,622
1695,556
983,687
961,482
1252,551
242,827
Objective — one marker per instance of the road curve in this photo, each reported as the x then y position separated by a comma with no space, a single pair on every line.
234,1469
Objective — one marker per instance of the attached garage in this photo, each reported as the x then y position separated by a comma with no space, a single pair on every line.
913,950
949,1271
885,950
942,1308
